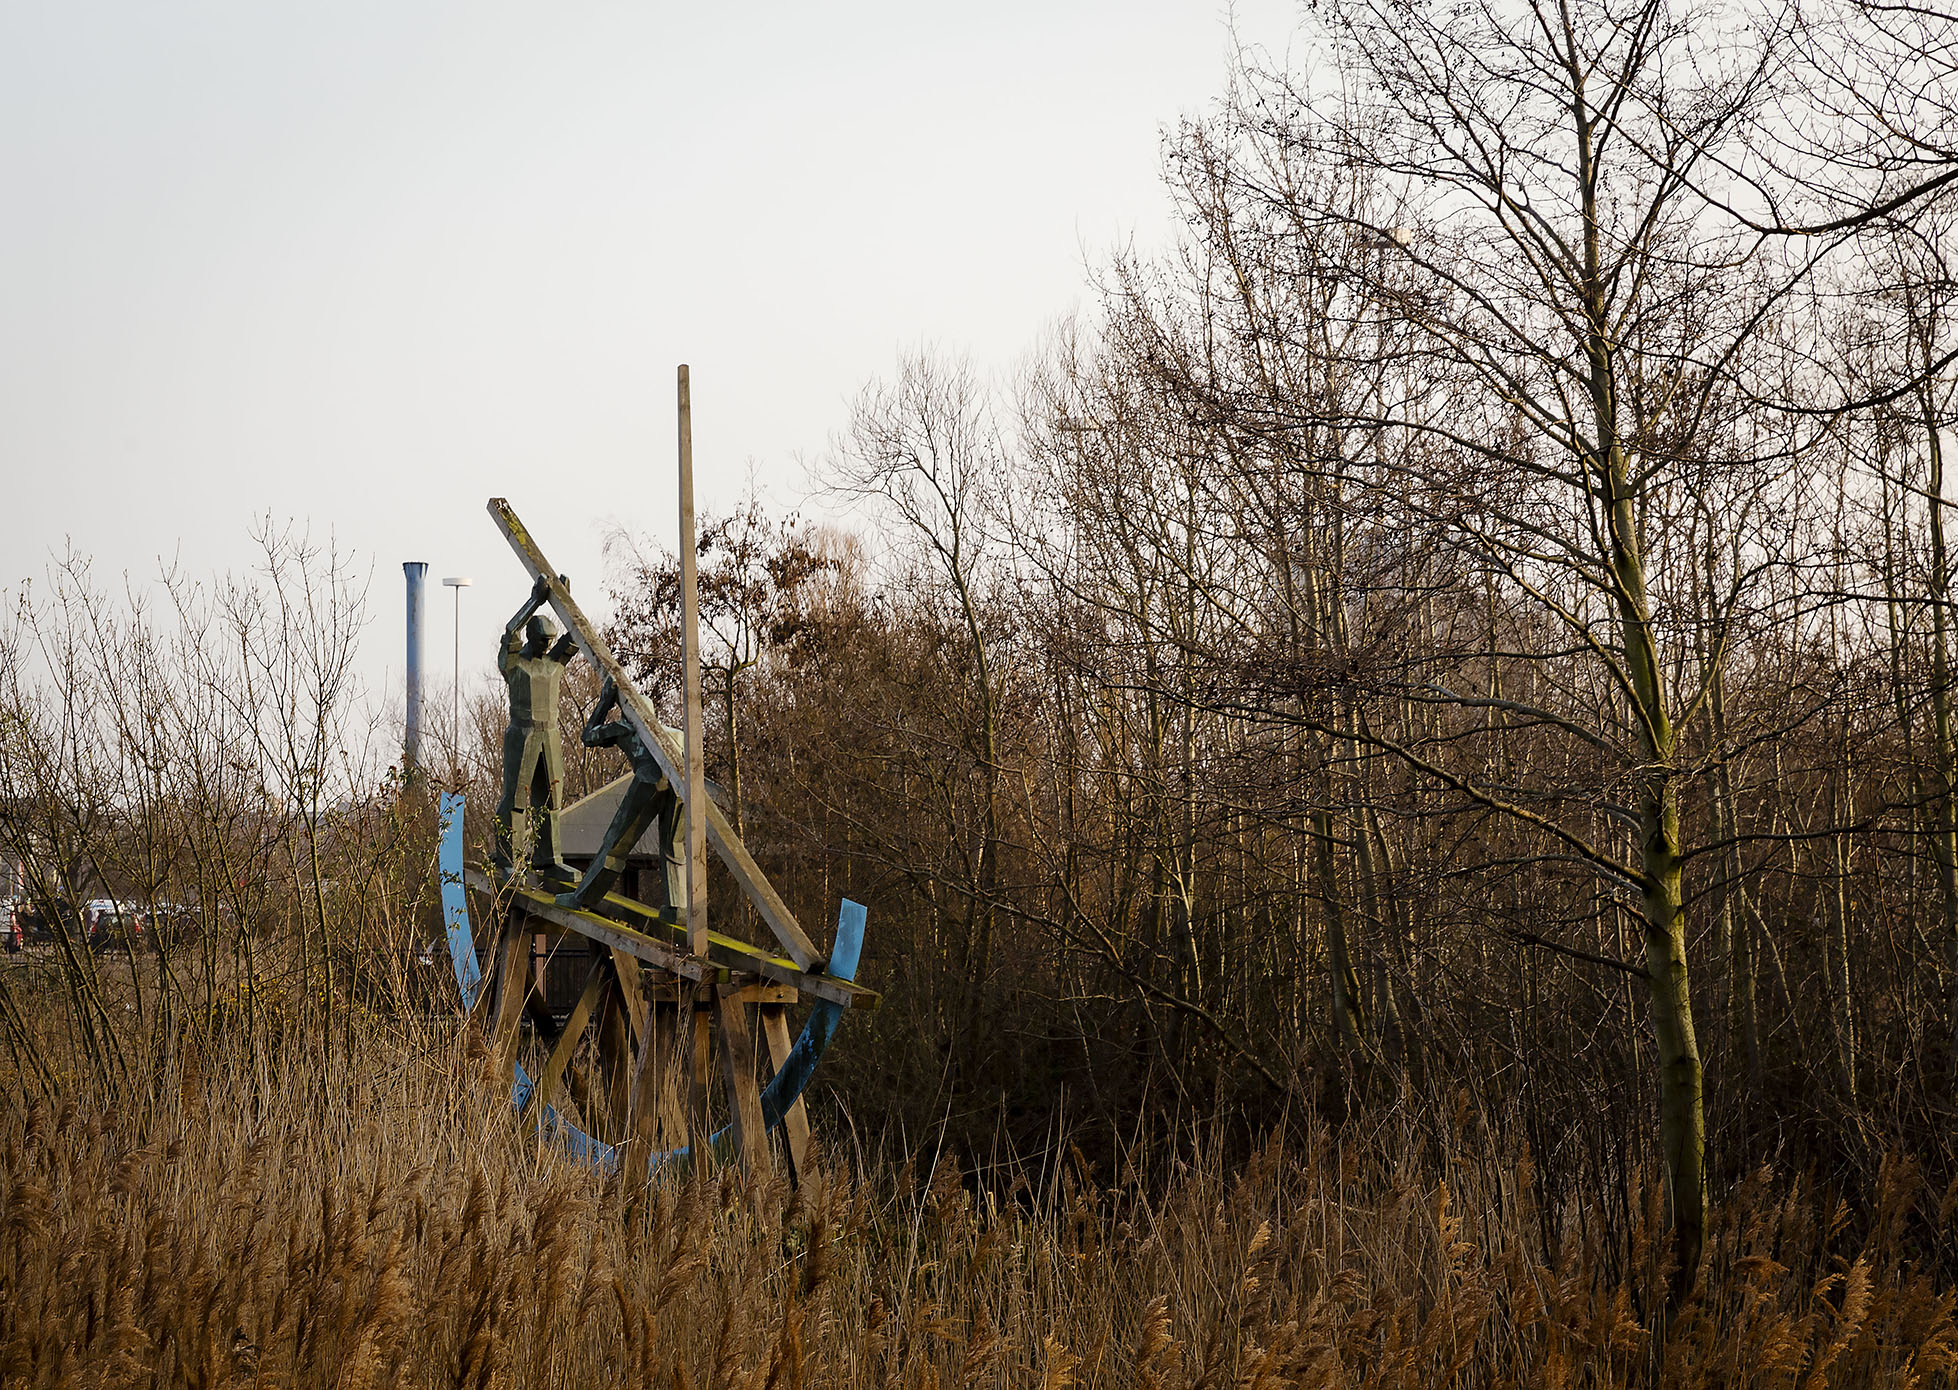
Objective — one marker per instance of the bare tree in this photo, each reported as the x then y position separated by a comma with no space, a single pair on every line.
924,449
1502,201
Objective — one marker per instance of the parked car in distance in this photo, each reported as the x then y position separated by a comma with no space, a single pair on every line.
174,924
111,925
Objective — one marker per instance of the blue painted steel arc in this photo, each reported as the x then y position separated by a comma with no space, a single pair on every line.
455,905
783,1088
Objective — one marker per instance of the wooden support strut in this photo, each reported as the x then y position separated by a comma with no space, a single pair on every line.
651,1114
512,992
616,1042
630,989
567,1041
743,1092
672,1003
665,748
795,1120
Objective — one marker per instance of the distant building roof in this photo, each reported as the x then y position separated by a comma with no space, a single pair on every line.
581,826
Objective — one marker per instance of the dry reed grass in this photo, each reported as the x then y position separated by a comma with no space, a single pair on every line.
280,1224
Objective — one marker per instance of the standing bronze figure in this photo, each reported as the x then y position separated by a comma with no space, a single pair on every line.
533,764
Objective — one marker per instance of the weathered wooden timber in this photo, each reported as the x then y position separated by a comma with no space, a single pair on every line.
528,901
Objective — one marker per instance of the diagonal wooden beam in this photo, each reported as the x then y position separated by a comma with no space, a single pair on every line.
627,969
660,940
603,929
795,1120
567,1041
736,954
664,745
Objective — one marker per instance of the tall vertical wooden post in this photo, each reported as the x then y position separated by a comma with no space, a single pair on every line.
690,669
737,1040
694,862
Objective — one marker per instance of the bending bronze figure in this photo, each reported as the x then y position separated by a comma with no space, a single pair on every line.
649,798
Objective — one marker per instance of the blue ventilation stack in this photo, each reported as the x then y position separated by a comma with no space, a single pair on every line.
411,743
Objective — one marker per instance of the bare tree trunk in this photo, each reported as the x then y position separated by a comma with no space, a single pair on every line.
1682,1115
1944,837
1349,1021
1736,935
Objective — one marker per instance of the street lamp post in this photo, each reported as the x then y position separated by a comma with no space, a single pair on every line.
458,583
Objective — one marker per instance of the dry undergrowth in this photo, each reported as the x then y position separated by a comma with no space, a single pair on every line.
395,1229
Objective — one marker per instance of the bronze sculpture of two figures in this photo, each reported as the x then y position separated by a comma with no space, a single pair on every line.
532,665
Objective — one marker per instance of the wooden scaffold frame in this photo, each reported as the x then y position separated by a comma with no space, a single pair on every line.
664,993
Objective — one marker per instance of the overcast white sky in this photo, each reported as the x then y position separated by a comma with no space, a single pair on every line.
368,264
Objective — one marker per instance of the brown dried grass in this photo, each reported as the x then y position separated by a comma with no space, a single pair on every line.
282,1226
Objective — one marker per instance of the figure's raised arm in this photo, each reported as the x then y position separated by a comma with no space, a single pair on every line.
512,642
539,591
597,733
